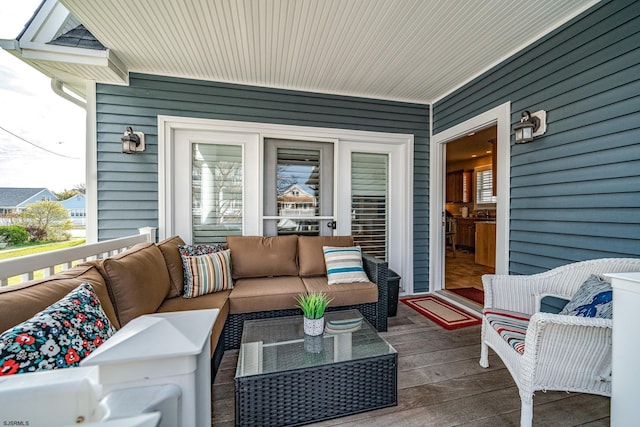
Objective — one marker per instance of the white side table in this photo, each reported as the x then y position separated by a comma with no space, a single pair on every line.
625,392
159,349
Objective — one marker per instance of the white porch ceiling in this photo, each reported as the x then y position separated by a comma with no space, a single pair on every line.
406,50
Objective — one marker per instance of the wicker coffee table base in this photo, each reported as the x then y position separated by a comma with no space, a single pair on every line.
313,394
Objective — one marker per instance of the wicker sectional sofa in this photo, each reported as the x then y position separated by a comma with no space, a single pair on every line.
268,273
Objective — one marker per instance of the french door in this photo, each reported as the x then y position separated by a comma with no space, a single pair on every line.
298,188
215,186
220,178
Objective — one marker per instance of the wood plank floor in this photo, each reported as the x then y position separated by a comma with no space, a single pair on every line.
440,383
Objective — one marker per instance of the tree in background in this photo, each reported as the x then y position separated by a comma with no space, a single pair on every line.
67,194
13,234
46,220
80,188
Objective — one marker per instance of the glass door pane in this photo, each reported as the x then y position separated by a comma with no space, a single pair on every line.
216,180
298,187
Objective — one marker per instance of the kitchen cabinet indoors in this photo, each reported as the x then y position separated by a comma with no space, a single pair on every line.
486,243
459,186
466,232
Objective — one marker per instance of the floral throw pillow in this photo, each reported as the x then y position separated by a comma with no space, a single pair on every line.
195,250
60,336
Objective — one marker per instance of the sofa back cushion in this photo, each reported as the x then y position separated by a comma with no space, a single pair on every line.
311,255
169,249
257,256
138,281
20,302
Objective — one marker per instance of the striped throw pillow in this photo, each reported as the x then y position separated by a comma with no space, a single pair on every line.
207,273
344,264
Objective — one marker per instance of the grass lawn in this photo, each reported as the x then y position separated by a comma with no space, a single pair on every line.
30,249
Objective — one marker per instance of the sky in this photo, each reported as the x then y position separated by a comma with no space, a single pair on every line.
30,109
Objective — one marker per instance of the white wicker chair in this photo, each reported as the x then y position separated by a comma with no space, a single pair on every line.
560,352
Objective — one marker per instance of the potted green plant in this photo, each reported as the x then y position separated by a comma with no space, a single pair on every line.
313,306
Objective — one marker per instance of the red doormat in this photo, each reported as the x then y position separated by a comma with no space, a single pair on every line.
441,312
473,294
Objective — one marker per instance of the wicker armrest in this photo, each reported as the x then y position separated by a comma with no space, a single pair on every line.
378,272
554,339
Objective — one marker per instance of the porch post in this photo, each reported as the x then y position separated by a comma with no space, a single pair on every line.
91,159
150,232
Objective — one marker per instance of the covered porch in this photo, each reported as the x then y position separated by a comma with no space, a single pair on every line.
440,383
387,86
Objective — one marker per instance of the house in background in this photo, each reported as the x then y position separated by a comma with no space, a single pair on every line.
297,200
15,199
76,205
374,91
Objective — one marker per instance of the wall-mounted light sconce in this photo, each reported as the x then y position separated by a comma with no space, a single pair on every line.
132,142
530,125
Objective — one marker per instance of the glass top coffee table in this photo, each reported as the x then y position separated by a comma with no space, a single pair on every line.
286,378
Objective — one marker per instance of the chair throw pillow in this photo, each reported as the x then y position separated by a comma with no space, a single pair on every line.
59,336
207,273
195,250
344,264
593,299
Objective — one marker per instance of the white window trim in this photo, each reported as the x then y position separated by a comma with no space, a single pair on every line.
500,116
168,125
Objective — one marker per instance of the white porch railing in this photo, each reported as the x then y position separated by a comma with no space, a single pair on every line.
28,266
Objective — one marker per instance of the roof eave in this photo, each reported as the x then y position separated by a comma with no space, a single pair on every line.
70,64
73,66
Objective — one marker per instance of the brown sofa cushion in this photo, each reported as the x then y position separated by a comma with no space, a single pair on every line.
216,300
265,293
20,302
138,281
311,256
345,293
257,256
169,249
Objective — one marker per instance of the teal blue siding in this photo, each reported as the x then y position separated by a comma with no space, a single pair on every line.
575,192
128,184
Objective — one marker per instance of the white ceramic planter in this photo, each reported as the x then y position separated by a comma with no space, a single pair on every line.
314,327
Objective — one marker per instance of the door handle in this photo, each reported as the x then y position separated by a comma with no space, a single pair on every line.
332,225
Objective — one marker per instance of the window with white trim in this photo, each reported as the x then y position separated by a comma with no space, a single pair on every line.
484,185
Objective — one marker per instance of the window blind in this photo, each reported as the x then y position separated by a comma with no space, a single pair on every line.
216,181
484,185
369,214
